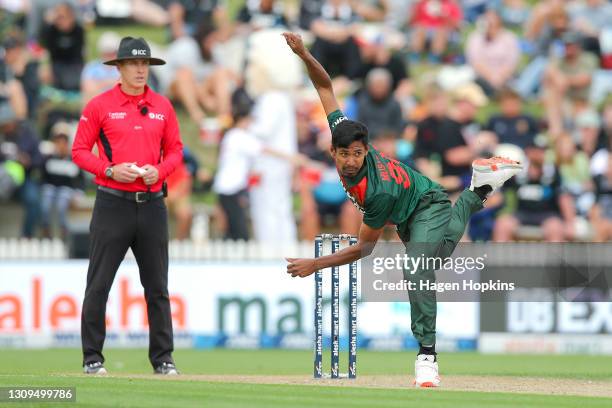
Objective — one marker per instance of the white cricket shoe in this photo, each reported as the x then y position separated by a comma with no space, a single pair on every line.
95,368
493,172
426,371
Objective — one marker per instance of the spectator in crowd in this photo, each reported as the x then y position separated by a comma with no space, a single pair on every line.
193,77
399,14
435,21
321,193
602,80
21,66
64,38
600,158
372,11
186,16
601,213
514,13
601,85
593,20
493,52
375,53
17,9
512,125
180,184
540,15
36,15
473,9
12,94
62,181
261,14
548,44
310,10
601,170
606,125
149,12
386,143
460,135
12,176
587,132
239,149
335,46
573,165
19,142
377,107
446,141
589,18
429,141
272,74
567,81
231,186
539,201
96,76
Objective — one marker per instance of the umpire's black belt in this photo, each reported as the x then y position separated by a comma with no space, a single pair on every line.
137,197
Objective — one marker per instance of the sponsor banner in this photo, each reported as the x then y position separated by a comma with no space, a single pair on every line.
541,314
214,304
545,343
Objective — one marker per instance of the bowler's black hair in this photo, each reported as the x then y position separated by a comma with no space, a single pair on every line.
347,132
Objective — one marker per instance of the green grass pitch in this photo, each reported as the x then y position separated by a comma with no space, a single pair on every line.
130,385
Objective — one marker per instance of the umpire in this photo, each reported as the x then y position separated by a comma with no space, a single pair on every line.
139,145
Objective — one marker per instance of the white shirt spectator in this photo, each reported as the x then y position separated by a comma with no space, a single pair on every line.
271,200
238,150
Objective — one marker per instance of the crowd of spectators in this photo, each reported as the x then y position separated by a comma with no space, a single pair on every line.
438,83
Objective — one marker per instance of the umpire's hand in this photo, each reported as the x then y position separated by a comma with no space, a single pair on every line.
151,176
124,173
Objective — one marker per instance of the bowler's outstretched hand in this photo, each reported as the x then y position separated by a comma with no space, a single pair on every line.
301,267
295,43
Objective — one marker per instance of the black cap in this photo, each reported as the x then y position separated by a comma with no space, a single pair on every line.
134,48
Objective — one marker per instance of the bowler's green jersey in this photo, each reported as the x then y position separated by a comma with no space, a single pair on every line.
384,189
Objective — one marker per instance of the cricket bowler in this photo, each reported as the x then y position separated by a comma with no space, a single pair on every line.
387,191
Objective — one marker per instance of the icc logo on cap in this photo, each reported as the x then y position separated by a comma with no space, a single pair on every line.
139,52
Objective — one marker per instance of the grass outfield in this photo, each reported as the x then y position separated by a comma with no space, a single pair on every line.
224,378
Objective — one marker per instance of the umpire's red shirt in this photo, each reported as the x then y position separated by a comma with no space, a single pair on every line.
125,132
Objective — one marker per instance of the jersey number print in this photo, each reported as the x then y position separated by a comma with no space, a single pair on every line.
398,173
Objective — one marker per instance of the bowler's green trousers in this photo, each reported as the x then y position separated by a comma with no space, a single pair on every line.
433,230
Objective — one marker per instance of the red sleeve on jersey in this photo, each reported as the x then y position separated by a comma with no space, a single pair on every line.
87,135
172,147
